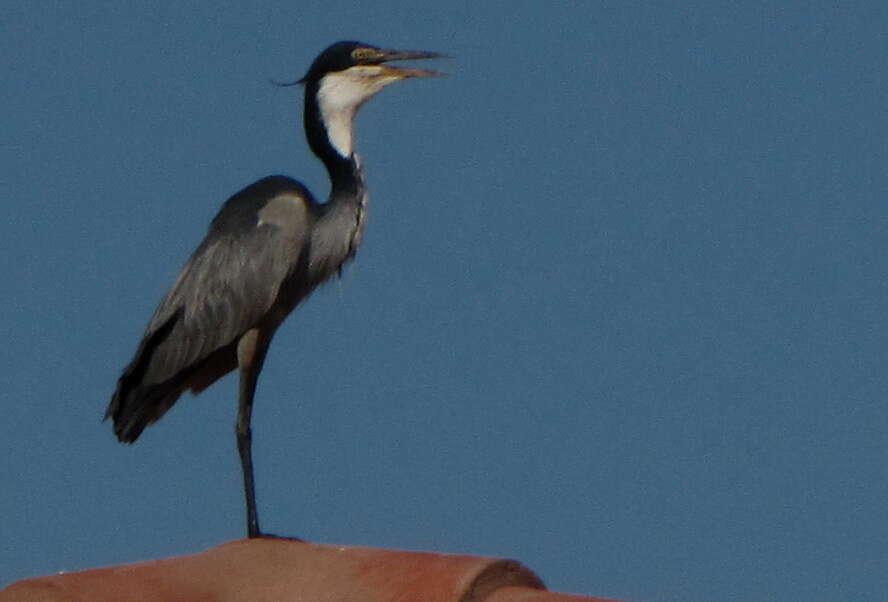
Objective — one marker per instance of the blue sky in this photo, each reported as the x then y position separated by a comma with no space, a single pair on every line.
619,313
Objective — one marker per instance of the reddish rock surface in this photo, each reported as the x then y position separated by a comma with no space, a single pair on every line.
281,570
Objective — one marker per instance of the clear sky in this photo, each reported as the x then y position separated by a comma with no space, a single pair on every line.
620,312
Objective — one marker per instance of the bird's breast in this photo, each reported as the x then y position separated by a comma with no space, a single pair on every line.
336,237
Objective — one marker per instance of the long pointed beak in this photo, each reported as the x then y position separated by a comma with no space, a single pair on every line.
409,55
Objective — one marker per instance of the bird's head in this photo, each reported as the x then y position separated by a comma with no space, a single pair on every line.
363,62
345,76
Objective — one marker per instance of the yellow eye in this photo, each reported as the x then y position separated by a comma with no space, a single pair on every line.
363,54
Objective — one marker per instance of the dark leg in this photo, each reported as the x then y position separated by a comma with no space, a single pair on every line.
251,354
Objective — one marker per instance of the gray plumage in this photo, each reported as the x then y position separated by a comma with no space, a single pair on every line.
250,271
269,247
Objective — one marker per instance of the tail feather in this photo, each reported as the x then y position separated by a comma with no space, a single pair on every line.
137,409
135,404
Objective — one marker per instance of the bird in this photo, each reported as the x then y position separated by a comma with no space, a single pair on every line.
269,246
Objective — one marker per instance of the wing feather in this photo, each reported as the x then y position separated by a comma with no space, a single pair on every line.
228,286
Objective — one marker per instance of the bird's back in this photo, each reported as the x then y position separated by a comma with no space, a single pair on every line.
245,274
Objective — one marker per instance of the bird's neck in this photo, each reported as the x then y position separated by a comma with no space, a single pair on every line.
329,130
341,222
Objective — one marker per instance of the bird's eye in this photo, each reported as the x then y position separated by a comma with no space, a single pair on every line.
363,54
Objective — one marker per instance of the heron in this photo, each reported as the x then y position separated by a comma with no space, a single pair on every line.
266,250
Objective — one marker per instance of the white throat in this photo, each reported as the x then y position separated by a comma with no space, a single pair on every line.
341,94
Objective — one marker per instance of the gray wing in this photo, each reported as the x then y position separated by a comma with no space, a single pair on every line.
227,287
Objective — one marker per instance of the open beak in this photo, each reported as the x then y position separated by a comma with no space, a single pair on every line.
409,55
382,56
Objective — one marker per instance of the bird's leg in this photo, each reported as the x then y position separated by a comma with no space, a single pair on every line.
250,354
244,446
